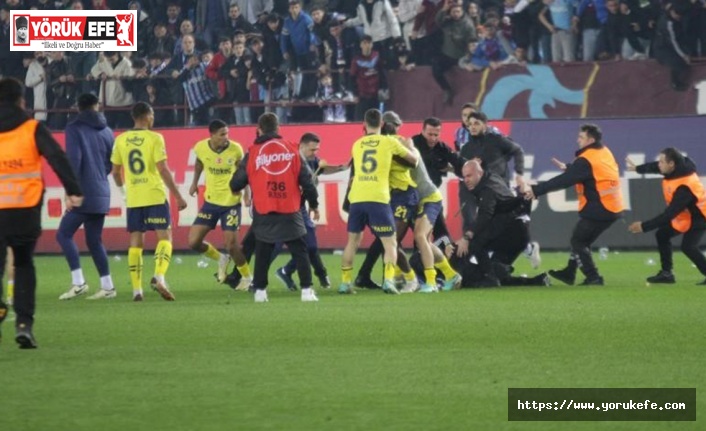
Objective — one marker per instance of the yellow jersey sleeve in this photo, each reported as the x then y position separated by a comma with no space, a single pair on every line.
400,177
219,167
139,151
116,157
159,148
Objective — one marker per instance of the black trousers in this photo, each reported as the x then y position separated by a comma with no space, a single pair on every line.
689,246
585,233
506,248
678,69
263,259
502,239
25,275
440,230
438,70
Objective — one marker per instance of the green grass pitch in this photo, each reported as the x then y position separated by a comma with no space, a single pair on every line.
364,362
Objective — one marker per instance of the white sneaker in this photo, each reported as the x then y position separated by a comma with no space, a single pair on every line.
104,294
75,291
260,295
244,284
410,286
534,255
308,295
223,267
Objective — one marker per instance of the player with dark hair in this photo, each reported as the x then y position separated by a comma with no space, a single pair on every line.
23,142
140,156
89,144
219,157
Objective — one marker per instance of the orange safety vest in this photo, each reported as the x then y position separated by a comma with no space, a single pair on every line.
682,222
607,176
21,184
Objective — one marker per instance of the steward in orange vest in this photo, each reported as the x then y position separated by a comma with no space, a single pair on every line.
596,176
685,213
23,141
278,178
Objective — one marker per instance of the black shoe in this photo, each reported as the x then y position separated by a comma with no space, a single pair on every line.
25,338
593,281
448,97
286,279
564,275
541,280
366,283
232,280
662,277
325,282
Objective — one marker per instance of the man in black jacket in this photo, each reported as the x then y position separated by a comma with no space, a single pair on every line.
439,159
275,177
670,43
684,215
500,227
22,141
596,176
494,150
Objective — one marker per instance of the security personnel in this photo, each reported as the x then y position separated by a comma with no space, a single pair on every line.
596,176
276,171
685,213
23,141
439,159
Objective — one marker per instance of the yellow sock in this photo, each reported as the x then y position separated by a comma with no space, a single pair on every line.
244,270
398,271
162,257
408,276
211,252
389,271
134,262
430,276
347,275
10,291
445,268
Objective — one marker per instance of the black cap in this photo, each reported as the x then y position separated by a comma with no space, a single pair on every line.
21,21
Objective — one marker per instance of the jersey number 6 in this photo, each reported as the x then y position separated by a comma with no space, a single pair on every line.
135,162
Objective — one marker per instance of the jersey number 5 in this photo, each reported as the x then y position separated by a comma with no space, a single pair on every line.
135,162
369,162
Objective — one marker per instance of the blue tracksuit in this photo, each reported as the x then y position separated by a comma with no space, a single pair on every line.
89,143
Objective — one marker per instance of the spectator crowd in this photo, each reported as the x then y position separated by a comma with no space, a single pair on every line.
326,60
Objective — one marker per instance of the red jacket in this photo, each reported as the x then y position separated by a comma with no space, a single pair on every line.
212,72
